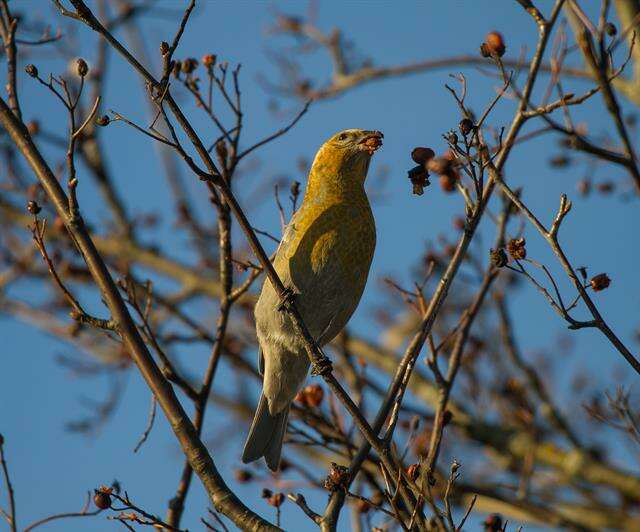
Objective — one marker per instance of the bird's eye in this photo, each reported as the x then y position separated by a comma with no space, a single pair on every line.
343,136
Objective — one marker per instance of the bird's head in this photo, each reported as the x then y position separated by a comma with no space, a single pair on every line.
356,142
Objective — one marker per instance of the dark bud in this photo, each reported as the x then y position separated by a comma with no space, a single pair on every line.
295,189
422,155
600,282
33,207
31,70
584,187
610,29
221,150
493,523
177,67
560,161
189,65
495,43
606,187
33,127
102,500
103,120
164,48
337,479
81,67
419,179
516,248
266,493
243,475
466,126
276,500
498,258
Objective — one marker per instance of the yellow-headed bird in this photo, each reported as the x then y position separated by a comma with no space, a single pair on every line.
324,258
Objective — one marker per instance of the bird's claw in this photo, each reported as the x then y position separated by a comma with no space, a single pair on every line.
322,366
288,296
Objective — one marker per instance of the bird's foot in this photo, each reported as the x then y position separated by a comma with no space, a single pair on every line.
321,366
288,297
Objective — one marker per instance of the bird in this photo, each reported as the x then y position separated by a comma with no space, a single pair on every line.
323,259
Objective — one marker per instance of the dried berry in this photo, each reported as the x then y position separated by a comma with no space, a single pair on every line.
33,127
606,187
516,248
337,479
493,523
439,165
422,155
498,258
276,500
448,181
413,471
311,396
495,43
610,29
266,493
164,48
189,65
33,207
243,475
600,282
466,126
81,67
103,120
584,187
209,60
31,70
102,498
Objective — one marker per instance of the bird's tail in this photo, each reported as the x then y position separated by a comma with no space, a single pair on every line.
266,435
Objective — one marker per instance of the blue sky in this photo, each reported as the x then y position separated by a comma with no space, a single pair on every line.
52,469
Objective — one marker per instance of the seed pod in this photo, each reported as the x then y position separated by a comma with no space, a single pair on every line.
419,179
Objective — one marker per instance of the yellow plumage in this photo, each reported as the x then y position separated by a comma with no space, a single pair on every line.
324,257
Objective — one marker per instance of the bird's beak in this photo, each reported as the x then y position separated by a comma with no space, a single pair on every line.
371,141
